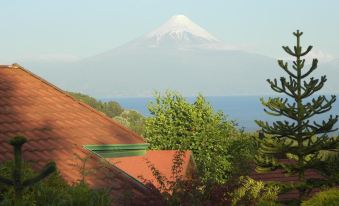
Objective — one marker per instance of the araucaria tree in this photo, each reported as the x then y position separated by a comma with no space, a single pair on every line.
297,143
17,182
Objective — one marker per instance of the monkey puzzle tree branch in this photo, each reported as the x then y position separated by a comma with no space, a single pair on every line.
300,141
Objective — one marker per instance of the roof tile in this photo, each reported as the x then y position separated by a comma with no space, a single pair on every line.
279,176
57,126
139,166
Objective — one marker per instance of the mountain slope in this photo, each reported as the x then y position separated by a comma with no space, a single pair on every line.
178,55
179,25
177,32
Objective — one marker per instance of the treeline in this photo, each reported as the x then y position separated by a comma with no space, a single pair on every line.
226,157
222,152
129,118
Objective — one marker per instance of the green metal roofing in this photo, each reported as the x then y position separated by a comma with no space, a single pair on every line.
118,150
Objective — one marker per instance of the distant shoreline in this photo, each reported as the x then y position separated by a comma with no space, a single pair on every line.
243,109
213,96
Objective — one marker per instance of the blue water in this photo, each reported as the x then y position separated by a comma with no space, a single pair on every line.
243,109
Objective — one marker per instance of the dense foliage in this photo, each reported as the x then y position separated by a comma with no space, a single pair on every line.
110,108
17,183
133,120
325,198
255,193
217,145
52,191
299,140
129,118
223,153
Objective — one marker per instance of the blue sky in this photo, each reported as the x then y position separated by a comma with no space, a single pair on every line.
80,28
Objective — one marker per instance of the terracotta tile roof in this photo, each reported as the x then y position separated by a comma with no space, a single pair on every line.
279,176
139,166
57,126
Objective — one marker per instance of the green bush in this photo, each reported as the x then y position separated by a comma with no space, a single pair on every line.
52,191
255,193
325,198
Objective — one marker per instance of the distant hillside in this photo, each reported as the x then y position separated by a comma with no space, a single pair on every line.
179,55
129,118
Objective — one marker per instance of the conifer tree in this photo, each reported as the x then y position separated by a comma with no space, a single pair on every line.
296,143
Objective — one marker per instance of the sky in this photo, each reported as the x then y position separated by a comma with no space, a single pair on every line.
74,29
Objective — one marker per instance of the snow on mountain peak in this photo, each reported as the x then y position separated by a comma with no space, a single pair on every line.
180,27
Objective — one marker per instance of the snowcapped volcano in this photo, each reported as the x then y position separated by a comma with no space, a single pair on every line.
179,55
178,32
178,27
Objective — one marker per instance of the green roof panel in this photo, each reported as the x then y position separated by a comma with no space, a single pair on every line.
118,150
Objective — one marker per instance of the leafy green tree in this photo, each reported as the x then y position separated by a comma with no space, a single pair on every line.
122,121
110,108
133,120
129,118
176,124
300,140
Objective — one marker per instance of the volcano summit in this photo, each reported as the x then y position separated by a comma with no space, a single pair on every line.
179,55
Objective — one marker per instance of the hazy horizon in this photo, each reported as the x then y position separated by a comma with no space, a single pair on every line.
73,30
130,49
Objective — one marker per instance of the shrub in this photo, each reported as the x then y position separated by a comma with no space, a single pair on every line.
51,191
255,193
325,198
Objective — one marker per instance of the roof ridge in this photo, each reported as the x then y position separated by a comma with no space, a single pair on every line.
5,66
16,65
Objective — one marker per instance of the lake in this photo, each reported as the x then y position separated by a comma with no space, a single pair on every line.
243,109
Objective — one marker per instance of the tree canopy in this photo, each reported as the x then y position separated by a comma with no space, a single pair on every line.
177,124
129,118
110,108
